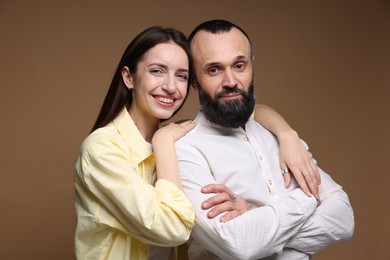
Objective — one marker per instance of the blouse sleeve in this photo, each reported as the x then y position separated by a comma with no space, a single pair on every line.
159,215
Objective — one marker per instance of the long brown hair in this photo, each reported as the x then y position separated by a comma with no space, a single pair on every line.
118,95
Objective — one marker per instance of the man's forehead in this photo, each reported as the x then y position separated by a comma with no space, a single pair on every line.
206,45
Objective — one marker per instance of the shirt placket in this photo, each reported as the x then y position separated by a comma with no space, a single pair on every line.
265,169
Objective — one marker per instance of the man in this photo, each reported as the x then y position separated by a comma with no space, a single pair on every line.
227,147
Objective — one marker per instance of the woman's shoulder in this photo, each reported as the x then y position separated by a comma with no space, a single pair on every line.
102,145
101,140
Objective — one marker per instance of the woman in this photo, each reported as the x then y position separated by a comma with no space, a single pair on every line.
122,207
119,212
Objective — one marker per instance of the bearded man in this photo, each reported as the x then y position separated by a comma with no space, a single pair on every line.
228,147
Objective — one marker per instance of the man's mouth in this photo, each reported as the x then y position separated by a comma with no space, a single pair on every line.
231,96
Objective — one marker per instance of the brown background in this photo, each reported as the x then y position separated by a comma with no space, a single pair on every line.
324,65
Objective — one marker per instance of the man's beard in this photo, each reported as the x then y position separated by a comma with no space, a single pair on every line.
228,113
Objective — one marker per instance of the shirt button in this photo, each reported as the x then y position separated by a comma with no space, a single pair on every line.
259,156
246,138
270,182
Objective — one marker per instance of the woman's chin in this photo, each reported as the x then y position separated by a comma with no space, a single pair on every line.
165,116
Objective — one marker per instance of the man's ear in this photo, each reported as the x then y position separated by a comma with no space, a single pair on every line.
195,85
127,78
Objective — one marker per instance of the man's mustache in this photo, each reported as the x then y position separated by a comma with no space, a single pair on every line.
230,91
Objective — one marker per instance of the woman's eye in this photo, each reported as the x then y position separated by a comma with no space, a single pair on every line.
156,71
183,77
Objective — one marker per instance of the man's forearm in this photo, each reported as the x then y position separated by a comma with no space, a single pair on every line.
332,221
257,233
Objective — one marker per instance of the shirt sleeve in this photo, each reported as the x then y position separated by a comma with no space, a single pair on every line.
332,221
291,254
159,215
258,233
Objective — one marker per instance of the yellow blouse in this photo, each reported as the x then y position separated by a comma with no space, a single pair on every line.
119,212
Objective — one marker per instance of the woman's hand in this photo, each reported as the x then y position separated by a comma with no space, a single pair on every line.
224,201
294,159
163,143
298,161
173,130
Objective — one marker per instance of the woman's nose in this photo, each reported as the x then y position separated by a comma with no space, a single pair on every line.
169,85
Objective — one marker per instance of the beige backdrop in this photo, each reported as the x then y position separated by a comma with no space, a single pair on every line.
324,65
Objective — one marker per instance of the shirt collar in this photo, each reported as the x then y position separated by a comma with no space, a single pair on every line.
133,138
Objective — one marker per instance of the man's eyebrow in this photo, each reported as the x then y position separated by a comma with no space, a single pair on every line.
241,57
211,64
215,63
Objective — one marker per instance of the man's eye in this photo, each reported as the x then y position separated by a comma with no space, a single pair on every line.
213,70
240,66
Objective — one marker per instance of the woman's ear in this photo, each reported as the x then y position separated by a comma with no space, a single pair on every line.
127,78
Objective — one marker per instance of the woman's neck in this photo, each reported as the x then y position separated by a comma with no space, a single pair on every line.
146,125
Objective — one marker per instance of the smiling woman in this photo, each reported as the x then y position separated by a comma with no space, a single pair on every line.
160,85
122,206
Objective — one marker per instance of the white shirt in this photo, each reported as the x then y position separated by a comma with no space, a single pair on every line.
280,219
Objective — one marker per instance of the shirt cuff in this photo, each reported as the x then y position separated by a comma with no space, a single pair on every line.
170,195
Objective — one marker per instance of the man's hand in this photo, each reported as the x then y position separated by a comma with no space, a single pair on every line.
224,201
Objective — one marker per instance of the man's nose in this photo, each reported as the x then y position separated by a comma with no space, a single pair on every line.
229,79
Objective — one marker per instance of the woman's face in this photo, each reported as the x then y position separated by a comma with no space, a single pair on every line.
160,84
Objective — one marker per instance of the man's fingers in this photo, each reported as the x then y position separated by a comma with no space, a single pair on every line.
230,215
215,200
215,188
221,208
224,201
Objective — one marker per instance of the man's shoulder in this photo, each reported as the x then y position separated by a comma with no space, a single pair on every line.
193,134
254,126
